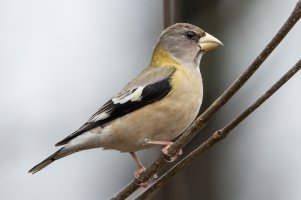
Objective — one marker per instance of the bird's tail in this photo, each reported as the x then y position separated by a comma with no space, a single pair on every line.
57,155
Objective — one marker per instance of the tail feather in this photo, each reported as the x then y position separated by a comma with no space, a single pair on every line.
46,162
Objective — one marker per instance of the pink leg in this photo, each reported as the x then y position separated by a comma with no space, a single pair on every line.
164,150
140,169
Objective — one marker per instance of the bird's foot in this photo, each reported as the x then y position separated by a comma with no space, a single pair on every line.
140,170
171,158
137,174
164,150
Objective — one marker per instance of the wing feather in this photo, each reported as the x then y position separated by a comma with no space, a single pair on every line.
125,102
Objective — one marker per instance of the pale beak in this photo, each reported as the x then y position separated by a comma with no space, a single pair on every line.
208,42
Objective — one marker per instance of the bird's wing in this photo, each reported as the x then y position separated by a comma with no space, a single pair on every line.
150,86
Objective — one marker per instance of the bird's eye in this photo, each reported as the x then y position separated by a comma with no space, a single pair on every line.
191,35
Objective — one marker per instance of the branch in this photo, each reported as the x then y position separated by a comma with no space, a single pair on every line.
239,82
220,134
200,122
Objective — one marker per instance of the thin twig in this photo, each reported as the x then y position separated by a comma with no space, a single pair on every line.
219,135
200,122
239,82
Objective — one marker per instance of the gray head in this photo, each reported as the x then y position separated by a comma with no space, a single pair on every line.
187,43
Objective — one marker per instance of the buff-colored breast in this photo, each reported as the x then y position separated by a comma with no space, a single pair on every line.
162,120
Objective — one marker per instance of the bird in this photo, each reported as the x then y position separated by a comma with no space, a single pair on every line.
152,109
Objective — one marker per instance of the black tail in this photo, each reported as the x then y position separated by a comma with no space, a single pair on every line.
46,162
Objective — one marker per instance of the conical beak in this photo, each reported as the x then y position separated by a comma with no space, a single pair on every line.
208,42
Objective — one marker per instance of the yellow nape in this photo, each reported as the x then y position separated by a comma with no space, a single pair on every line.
162,58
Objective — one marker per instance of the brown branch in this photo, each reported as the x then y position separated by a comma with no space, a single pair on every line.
220,134
200,122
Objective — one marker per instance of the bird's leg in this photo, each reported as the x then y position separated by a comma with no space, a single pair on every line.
140,169
164,150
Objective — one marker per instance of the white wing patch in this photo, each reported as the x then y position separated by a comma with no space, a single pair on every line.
100,116
120,99
130,96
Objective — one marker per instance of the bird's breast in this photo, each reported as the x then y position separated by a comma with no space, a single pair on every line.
162,120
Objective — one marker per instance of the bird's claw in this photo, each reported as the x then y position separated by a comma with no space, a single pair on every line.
171,158
164,150
137,174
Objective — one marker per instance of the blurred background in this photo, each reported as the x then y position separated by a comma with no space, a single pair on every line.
61,60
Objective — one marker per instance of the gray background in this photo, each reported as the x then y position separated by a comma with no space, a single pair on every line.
61,60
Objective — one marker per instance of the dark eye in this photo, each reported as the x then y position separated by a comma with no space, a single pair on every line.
191,35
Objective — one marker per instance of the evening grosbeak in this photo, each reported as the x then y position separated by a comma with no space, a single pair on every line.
155,107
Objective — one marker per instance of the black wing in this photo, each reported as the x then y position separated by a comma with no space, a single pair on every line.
123,104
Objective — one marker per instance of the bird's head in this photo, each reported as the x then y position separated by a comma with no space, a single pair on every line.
186,43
